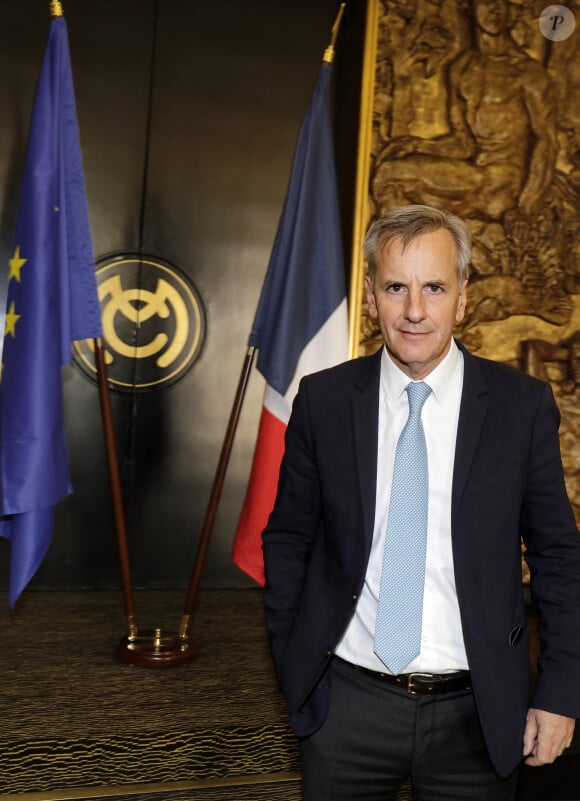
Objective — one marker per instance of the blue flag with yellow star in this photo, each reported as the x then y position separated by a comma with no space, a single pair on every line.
51,301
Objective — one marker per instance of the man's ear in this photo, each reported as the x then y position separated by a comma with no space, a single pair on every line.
369,287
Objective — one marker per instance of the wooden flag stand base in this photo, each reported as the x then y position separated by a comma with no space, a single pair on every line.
156,649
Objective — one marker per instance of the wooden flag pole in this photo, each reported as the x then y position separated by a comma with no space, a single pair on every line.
56,11
207,530
113,464
216,491
193,591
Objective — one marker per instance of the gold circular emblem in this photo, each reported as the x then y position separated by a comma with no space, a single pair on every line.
153,324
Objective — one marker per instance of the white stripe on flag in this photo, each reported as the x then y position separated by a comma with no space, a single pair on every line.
329,346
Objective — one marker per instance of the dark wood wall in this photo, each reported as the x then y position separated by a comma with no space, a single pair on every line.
188,113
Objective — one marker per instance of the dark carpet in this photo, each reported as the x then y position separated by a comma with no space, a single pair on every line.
78,723
75,717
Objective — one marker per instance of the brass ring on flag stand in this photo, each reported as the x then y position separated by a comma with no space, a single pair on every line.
156,649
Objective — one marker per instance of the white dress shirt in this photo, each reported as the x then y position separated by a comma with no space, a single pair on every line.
442,645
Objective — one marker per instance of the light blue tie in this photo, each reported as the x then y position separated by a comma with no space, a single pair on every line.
400,607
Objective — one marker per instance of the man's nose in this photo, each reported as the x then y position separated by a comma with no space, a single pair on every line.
415,305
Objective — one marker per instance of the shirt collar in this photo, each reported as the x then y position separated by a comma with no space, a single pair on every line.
441,379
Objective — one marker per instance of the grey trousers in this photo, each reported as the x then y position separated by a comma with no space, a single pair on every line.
377,735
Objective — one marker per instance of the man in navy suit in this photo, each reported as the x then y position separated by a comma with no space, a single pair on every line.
460,716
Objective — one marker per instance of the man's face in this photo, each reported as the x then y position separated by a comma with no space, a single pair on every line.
417,301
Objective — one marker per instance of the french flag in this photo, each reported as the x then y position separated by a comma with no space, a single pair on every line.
301,322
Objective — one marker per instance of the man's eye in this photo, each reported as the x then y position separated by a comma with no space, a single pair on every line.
395,288
435,289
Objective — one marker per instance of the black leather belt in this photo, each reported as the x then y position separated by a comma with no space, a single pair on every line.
420,683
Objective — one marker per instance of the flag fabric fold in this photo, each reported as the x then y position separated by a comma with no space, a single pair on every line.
51,301
301,321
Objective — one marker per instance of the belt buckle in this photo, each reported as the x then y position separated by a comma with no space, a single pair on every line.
411,677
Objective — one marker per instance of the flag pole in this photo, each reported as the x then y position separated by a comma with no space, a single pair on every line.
194,586
56,10
115,480
215,495
328,57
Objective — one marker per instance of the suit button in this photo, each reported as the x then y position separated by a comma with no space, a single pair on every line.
355,598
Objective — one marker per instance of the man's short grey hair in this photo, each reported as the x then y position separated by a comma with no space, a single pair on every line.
409,222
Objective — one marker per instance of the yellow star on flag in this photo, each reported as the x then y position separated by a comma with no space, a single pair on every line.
11,320
16,264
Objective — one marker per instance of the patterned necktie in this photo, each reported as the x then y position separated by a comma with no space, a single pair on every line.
400,607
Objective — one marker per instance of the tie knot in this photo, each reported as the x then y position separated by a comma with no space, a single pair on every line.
418,394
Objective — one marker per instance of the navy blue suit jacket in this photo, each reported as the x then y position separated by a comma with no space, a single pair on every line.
508,482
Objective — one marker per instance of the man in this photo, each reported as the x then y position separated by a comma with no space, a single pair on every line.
457,717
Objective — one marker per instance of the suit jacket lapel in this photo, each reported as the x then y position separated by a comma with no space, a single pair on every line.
365,422
471,416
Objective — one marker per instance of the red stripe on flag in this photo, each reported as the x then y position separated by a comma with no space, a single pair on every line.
260,496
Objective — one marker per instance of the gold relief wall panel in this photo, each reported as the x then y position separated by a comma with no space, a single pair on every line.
473,109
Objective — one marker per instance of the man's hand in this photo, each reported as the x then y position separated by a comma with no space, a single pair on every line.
546,736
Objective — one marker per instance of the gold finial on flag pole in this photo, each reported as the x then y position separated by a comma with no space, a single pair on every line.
328,57
56,8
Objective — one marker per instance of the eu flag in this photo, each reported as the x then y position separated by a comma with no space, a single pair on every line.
51,301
